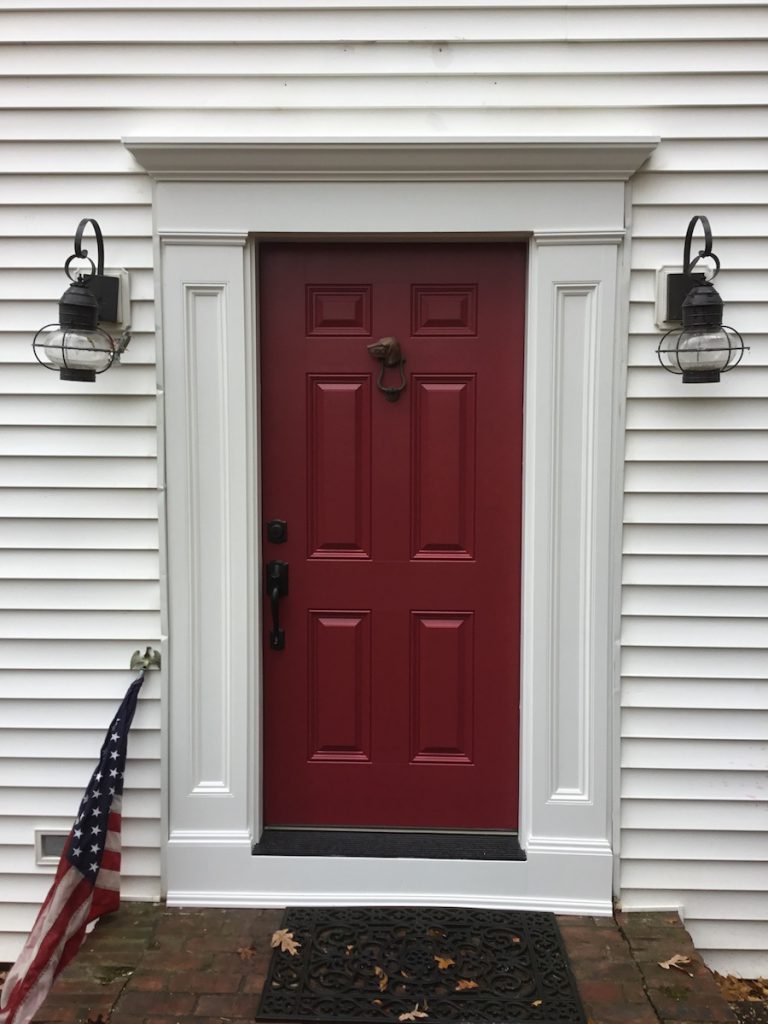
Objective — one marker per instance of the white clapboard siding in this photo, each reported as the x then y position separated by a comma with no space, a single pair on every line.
78,477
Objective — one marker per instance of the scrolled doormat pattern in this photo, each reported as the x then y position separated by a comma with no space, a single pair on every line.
419,966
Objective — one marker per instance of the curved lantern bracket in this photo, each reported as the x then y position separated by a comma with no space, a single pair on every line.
688,263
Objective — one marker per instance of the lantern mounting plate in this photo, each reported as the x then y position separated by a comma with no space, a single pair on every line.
672,286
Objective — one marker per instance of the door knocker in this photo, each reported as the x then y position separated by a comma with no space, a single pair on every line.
387,350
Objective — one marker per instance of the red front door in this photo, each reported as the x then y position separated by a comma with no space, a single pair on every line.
394,702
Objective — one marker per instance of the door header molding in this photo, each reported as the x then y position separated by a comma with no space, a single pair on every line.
459,158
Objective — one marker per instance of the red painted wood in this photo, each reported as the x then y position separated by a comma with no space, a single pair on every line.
395,700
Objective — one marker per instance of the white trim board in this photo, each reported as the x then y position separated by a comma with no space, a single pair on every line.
213,200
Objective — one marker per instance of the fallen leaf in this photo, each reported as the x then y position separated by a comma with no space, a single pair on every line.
463,985
516,939
349,949
537,1002
377,1002
246,952
413,1015
435,933
284,939
404,974
676,961
383,977
444,962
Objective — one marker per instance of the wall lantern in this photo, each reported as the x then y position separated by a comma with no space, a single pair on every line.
77,346
702,348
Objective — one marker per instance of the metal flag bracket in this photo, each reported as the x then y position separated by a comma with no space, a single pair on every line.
149,659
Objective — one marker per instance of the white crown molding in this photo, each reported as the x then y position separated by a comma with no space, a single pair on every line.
559,158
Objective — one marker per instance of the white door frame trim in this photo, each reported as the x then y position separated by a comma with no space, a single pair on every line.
212,199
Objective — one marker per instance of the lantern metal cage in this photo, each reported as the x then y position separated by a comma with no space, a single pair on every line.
77,347
703,347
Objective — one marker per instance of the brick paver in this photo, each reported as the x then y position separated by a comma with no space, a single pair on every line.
156,965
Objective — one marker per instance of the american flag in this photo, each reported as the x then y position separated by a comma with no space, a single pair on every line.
87,882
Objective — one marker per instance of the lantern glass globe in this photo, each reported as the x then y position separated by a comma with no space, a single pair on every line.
76,349
703,350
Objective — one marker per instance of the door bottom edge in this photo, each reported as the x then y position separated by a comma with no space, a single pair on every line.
433,845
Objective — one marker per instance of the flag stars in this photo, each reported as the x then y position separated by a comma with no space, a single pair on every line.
114,755
77,851
96,794
95,848
77,833
94,867
113,773
98,776
95,813
95,830
115,737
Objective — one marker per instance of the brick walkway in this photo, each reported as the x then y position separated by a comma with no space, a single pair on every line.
153,965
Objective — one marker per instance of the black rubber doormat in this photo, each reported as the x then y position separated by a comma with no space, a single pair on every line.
420,966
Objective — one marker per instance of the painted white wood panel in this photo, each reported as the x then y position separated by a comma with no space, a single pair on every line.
78,499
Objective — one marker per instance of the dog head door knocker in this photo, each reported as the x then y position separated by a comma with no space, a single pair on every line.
387,351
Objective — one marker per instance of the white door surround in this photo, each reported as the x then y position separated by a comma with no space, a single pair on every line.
213,200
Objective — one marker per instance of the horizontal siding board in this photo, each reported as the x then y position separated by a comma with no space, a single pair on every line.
51,564
685,122
707,784
94,595
695,817
745,694
41,774
20,316
692,723
40,284
695,508
77,502
718,874
74,743
650,414
136,862
137,803
16,346
74,684
61,471
85,442
692,445
360,24
500,88
707,478
696,601
407,57
695,570
709,663
701,633
136,832
692,754
671,845
65,624
74,411
63,654
32,381
25,713
690,539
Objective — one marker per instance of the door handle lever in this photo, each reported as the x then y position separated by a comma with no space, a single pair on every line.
276,587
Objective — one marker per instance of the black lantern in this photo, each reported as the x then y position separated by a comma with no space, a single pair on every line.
76,346
702,348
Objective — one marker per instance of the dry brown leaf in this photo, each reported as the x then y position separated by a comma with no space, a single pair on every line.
284,940
413,1015
463,985
404,974
246,952
676,961
444,962
435,933
516,939
383,977
377,1002
537,1002
349,949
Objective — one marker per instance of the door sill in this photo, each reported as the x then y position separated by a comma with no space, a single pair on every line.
313,842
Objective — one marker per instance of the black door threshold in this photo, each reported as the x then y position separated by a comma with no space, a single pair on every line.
311,842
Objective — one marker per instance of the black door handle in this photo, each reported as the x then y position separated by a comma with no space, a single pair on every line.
277,587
